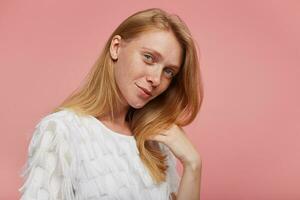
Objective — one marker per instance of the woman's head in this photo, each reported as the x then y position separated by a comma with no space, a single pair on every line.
104,90
147,62
168,35
126,64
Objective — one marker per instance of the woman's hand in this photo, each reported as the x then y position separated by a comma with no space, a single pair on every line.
180,145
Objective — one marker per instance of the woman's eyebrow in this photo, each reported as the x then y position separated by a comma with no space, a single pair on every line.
159,55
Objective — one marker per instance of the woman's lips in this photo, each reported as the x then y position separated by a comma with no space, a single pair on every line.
144,92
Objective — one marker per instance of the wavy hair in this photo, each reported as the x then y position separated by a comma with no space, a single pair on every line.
99,95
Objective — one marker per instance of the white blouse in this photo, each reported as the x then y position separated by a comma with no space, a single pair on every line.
72,157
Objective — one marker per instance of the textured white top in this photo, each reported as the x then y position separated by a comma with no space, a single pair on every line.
78,157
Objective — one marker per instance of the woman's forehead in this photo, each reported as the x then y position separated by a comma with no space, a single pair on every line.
159,43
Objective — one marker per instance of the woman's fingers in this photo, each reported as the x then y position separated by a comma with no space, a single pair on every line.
159,138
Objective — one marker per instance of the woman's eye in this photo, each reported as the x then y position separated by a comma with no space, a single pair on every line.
148,57
170,73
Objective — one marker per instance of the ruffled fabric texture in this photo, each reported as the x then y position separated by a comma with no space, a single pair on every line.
72,157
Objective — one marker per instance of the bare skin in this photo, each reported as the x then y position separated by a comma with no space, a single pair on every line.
143,68
183,149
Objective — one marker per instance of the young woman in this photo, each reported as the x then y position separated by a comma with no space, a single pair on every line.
118,135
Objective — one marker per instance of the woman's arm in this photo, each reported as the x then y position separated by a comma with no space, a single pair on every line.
47,170
189,188
184,150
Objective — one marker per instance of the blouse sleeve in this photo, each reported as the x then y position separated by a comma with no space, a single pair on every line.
173,177
47,170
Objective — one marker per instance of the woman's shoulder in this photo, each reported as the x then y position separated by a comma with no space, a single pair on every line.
61,119
61,115
54,131
51,154
53,128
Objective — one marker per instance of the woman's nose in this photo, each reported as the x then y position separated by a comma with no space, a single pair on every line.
154,75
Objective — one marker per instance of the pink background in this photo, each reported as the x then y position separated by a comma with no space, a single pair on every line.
248,130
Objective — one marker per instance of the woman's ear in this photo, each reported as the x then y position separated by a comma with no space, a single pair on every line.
115,47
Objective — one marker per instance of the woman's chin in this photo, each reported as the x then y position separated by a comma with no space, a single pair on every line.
138,105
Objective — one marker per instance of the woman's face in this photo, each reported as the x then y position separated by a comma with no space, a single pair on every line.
145,65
